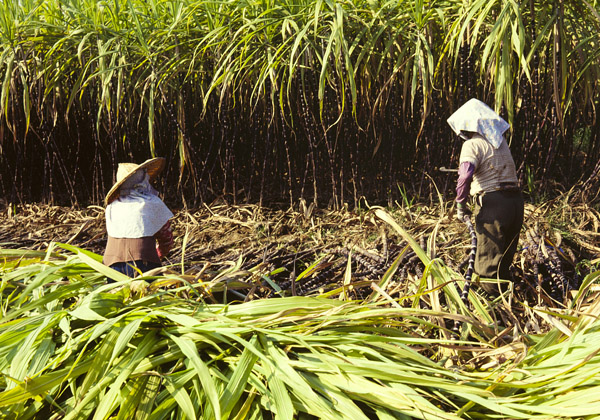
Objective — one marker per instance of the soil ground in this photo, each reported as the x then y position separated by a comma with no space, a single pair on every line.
559,241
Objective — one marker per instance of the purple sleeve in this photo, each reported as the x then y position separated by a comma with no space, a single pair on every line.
465,176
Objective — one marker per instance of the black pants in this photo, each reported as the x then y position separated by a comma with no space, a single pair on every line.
128,269
498,222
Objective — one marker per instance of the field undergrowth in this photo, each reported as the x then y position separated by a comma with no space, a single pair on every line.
299,313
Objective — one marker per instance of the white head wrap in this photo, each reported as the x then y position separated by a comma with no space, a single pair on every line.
475,116
138,211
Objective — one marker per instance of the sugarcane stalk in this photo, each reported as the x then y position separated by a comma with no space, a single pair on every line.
464,295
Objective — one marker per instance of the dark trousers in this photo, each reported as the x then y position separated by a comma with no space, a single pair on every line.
128,269
498,222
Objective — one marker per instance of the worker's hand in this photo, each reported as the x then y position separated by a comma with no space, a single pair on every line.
461,211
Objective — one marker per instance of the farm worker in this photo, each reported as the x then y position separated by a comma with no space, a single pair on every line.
487,171
137,220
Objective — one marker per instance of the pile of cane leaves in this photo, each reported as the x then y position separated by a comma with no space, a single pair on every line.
76,346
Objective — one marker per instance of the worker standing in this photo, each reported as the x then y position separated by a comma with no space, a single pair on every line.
487,172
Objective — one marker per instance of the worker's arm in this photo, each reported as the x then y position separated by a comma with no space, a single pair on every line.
465,176
164,240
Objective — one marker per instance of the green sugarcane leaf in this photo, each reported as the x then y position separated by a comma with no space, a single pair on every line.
148,396
40,385
238,380
110,400
188,348
281,398
183,399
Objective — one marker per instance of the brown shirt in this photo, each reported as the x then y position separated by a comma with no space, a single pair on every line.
130,249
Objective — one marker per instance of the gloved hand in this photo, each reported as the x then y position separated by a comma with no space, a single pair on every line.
461,211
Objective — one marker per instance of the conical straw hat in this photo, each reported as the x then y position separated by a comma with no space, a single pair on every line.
125,170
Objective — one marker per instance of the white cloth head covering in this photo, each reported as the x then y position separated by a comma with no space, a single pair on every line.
476,116
138,211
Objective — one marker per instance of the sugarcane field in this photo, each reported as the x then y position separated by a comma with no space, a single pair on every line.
299,209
